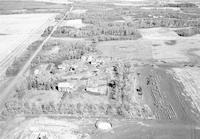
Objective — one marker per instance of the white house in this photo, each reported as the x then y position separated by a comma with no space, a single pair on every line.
61,67
65,87
36,71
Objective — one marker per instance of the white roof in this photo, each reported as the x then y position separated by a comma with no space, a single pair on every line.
92,89
100,90
66,85
36,71
61,66
101,125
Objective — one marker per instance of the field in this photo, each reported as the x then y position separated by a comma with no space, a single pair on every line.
17,28
158,44
28,6
30,128
126,50
18,33
180,51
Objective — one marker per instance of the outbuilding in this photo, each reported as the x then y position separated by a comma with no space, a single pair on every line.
99,90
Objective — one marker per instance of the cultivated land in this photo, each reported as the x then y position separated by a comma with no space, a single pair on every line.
132,64
29,6
17,28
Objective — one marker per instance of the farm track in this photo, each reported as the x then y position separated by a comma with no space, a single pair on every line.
35,35
7,92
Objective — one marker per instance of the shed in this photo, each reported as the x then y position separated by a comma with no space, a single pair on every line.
100,90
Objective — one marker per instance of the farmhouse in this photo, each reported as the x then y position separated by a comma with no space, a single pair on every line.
36,71
61,67
65,87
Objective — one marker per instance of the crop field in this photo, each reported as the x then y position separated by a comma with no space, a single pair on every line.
169,47
17,28
132,50
24,6
155,44
19,33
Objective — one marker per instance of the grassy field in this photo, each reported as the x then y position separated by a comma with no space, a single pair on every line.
169,47
160,44
133,49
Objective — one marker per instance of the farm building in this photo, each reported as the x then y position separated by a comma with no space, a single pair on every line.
99,90
92,59
89,58
61,67
65,87
36,71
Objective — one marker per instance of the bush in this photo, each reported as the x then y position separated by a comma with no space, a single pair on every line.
187,32
170,42
181,5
